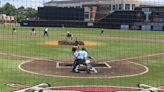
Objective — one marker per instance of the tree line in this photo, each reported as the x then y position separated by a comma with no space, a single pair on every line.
20,13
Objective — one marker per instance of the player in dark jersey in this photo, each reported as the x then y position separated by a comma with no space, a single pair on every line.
33,31
75,47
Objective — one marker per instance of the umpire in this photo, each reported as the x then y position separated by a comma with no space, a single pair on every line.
80,59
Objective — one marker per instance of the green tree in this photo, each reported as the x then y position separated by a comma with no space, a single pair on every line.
21,14
24,13
1,10
9,9
31,12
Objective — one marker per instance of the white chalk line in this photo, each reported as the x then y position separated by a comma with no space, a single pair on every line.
24,57
139,57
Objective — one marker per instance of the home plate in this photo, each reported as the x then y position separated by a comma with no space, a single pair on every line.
83,70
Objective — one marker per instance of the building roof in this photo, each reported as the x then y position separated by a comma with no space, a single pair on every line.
75,1
85,2
81,2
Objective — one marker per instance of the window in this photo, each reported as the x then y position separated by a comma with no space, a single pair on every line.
86,16
133,6
145,9
114,7
109,7
127,6
120,6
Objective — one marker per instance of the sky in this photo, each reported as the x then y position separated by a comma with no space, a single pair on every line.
25,3
160,2
36,3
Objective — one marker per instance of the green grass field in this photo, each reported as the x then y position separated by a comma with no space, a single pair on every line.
113,44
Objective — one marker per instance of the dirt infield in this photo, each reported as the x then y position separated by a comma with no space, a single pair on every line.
125,67
118,69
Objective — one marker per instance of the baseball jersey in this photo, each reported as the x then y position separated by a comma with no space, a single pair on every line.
81,55
46,29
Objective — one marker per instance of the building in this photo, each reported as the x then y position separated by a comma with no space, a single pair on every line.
94,10
100,13
114,4
154,17
7,19
153,13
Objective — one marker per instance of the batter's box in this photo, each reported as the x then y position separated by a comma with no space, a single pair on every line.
70,65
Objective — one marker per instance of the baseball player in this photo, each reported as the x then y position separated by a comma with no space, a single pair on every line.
33,31
90,61
14,30
46,31
80,56
75,47
69,36
102,31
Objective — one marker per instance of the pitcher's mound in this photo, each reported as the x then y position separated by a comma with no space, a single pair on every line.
68,42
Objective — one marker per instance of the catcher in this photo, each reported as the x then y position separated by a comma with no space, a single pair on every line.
90,61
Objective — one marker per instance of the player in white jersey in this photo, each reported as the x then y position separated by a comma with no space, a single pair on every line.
46,31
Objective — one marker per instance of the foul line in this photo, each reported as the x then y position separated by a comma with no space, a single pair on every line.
24,57
138,57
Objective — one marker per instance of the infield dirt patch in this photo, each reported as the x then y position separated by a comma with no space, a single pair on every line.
118,68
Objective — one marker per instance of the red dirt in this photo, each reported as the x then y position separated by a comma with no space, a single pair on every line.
81,88
49,68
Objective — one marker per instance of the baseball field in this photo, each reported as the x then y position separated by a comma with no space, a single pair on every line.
134,57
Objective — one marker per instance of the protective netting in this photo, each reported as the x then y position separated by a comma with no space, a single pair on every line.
81,45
